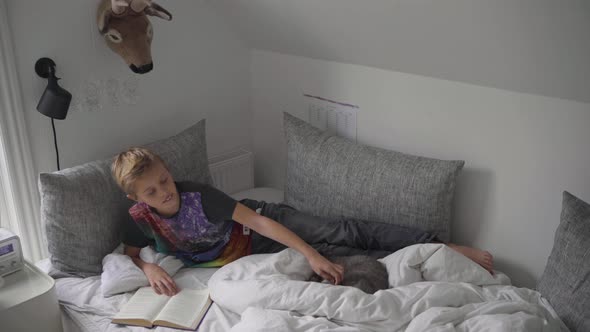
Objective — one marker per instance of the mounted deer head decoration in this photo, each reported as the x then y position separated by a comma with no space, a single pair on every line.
127,30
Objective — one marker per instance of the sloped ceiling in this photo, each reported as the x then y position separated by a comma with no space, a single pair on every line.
533,46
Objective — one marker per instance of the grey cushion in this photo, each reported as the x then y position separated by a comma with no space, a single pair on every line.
83,209
566,279
330,176
186,154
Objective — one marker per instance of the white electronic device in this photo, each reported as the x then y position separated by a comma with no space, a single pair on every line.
11,253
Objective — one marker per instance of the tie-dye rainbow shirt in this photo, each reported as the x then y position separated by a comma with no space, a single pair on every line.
190,236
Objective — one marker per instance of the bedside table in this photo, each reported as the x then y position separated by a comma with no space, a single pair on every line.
28,301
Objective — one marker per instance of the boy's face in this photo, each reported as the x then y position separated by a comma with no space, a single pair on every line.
156,188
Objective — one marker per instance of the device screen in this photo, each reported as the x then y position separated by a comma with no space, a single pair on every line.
7,249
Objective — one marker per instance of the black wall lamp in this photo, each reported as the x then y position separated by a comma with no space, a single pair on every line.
55,100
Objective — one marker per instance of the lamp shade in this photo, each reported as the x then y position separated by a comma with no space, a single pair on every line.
55,100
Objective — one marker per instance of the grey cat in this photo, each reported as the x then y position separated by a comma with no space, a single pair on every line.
362,272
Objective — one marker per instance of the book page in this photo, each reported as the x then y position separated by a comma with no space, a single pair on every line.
186,308
145,304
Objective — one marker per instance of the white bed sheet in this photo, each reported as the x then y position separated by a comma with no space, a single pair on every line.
85,309
84,304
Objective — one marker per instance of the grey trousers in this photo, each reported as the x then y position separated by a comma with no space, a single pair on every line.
335,236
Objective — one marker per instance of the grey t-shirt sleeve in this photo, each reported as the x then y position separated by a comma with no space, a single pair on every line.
133,236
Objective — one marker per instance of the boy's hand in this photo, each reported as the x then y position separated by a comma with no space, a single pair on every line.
326,269
160,280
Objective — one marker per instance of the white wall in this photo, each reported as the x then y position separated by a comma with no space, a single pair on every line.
521,150
532,46
201,70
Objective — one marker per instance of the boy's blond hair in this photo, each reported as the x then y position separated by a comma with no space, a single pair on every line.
129,165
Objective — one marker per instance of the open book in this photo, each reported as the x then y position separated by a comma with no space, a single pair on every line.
185,310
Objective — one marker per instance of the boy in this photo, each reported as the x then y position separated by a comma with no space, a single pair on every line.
204,227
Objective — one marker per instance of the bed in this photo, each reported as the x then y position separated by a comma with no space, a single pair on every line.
263,293
84,308
432,287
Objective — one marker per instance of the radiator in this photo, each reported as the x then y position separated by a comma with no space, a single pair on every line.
233,171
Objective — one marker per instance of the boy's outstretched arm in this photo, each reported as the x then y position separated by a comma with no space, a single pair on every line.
273,230
157,276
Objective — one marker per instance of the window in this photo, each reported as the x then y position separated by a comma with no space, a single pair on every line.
19,199
3,214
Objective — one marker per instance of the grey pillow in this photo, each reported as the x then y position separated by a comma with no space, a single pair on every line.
330,176
566,279
186,154
83,209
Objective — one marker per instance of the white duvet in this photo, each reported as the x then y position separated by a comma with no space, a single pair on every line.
433,289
